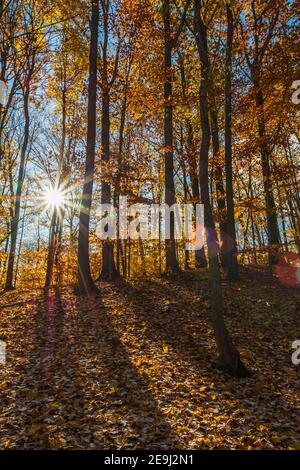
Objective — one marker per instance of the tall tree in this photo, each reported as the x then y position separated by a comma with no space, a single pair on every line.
171,259
231,245
109,270
85,281
31,44
58,212
263,26
200,258
229,357
170,40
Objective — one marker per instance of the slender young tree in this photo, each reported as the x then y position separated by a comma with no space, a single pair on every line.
200,258
108,270
57,212
31,50
218,175
85,281
263,32
229,357
171,259
170,40
231,245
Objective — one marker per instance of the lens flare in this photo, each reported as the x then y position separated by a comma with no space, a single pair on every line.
288,269
54,198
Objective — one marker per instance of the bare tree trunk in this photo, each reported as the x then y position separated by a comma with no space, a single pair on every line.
282,216
129,258
229,357
272,223
142,255
108,270
172,265
125,262
51,247
230,244
21,175
119,175
20,245
108,264
218,176
185,192
85,281
56,218
200,258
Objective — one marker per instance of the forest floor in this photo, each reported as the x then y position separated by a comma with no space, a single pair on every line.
131,368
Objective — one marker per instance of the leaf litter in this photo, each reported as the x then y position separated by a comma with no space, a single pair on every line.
132,368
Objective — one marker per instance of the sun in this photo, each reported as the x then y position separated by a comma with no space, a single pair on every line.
54,197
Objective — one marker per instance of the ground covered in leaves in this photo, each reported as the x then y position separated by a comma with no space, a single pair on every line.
131,368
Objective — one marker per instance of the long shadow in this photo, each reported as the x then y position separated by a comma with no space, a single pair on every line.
53,395
266,405
124,396
81,389
174,323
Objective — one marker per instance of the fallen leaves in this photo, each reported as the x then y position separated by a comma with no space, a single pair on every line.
132,369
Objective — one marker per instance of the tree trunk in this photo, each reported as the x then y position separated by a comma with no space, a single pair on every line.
231,244
200,258
229,358
172,265
119,176
218,176
85,281
20,244
272,223
21,175
185,193
51,247
57,218
108,264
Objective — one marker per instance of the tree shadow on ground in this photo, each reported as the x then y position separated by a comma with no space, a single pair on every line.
81,388
173,321
268,405
53,399
127,393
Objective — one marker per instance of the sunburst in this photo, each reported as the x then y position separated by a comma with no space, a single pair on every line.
54,197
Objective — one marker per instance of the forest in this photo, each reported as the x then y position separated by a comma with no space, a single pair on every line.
149,225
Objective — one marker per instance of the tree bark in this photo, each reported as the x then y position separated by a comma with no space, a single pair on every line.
108,263
56,218
85,281
229,357
117,192
200,258
218,176
272,222
21,175
231,244
108,270
172,265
